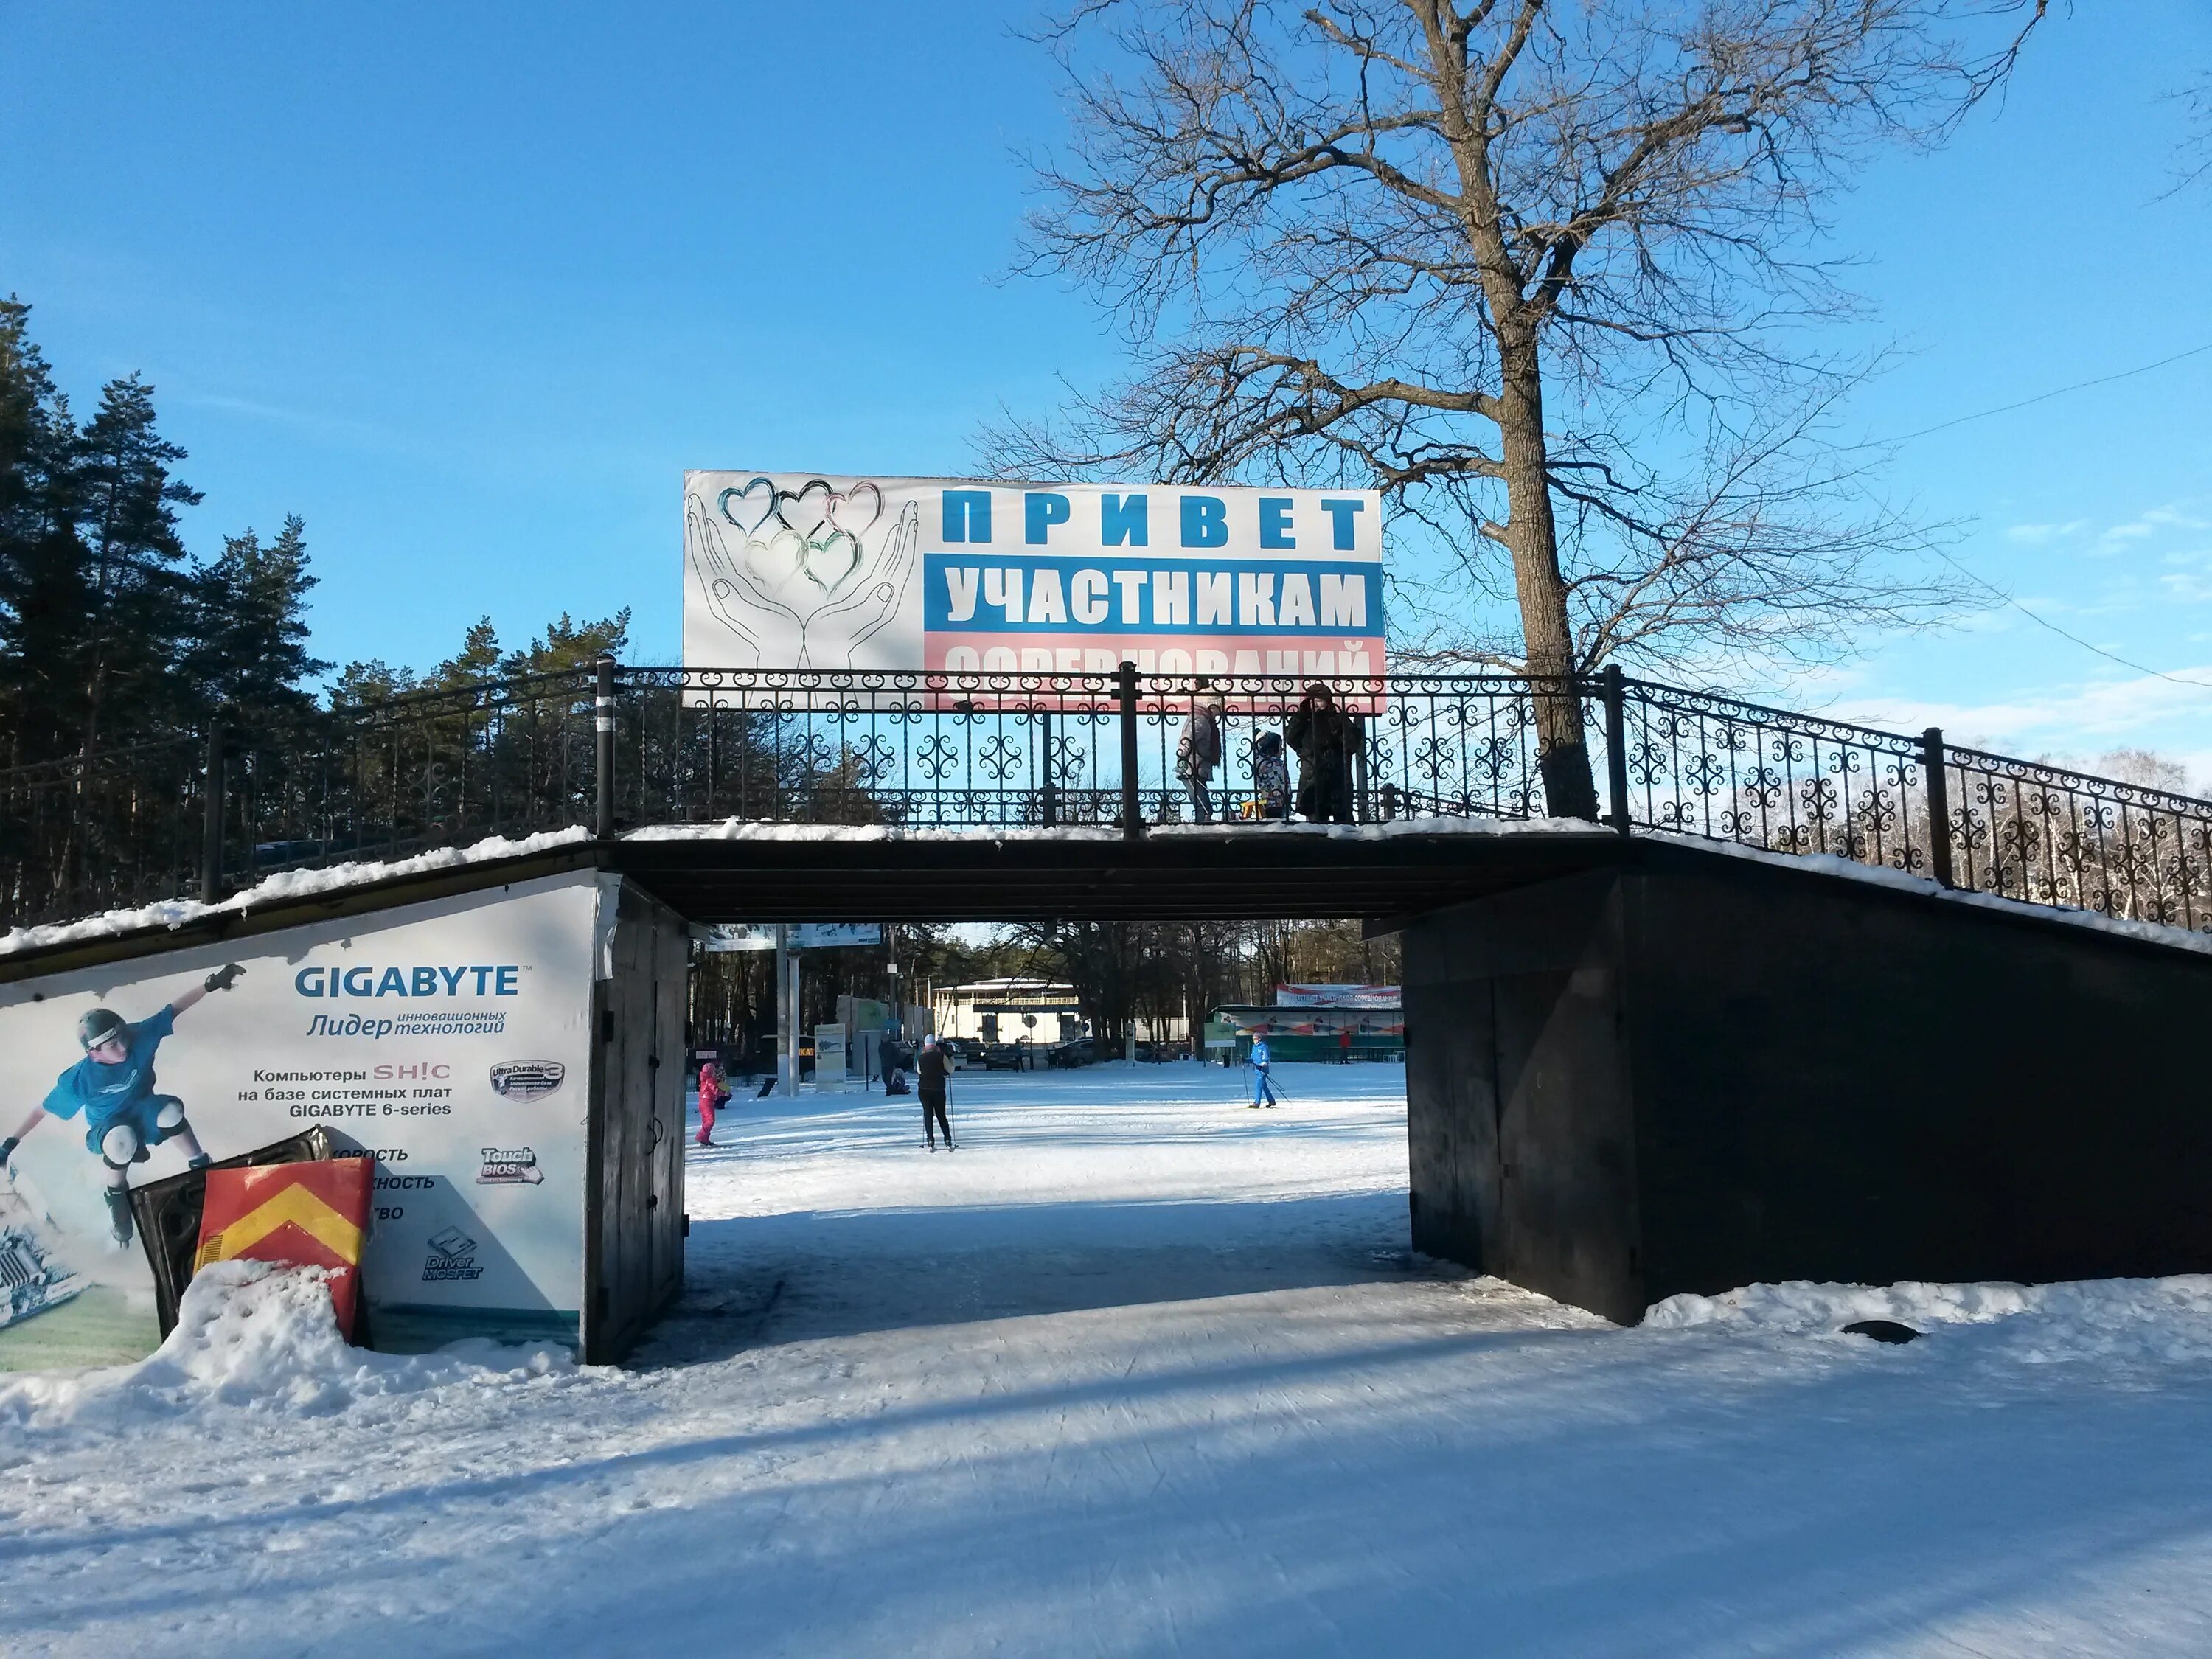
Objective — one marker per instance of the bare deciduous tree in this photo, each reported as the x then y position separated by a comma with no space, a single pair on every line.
1542,270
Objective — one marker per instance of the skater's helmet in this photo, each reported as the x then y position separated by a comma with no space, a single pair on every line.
100,1025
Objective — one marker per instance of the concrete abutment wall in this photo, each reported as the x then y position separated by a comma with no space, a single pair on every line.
1691,1071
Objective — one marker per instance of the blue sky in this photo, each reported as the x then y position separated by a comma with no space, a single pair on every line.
469,287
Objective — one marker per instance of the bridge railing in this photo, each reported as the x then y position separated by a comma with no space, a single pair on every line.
206,813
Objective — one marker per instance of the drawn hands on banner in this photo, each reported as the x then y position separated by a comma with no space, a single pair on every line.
820,588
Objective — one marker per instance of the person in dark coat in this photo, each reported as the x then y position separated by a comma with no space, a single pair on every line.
930,1082
898,1060
1321,734
1198,751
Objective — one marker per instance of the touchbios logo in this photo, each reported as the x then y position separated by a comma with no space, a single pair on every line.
509,1166
527,1079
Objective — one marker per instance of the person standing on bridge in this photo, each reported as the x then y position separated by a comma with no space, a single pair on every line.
1271,778
1198,751
1322,737
930,1083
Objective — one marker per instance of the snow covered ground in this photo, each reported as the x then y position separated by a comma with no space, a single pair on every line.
1137,1370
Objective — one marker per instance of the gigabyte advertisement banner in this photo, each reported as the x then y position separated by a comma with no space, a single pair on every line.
450,1038
788,570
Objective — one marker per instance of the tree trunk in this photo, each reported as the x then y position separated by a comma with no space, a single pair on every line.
1562,751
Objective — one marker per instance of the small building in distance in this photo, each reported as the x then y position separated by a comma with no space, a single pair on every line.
1009,1010
1311,1022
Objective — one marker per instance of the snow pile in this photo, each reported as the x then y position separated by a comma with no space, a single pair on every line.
258,1336
286,884
2158,1321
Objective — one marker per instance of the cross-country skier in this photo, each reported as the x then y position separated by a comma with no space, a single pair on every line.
929,1080
113,1086
1263,1091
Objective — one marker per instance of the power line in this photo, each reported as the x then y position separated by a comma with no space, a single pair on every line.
2044,397
1985,583
2044,621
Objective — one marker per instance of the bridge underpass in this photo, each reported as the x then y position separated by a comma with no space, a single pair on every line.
1669,1052
1636,1066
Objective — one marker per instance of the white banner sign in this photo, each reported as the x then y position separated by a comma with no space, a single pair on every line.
789,571
804,935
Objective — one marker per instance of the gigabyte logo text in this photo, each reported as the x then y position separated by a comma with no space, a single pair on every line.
481,980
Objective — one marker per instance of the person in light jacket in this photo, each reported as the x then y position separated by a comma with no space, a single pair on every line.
1198,751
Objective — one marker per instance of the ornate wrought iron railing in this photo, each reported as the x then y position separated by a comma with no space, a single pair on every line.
615,750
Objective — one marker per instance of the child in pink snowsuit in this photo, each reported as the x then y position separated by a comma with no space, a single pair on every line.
711,1094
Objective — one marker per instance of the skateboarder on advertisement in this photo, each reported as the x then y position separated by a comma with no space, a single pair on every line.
113,1086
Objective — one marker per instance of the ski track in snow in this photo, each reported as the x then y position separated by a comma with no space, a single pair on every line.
1136,1371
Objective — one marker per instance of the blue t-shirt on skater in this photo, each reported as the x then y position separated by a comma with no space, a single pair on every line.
104,1093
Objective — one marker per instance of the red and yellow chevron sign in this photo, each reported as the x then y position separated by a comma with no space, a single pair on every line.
311,1215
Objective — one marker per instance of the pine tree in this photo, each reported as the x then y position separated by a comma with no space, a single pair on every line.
140,600
252,652
44,590
567,644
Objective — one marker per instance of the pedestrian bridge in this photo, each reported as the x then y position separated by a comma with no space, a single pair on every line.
1799,1000
755,794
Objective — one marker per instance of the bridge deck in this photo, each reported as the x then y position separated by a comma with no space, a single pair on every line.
1380,873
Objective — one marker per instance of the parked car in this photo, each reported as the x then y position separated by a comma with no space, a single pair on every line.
1081,1051
1005,1057
961,1053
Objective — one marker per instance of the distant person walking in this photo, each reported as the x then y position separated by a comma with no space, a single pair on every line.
1198,751
1263,1090
1271,778
930,1082
1344,1045
713,1091
1322,736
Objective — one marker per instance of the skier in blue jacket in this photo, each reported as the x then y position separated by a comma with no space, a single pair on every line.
113,1086
1263,1091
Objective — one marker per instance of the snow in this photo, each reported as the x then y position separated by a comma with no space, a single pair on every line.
263,1339
753,829
1136,1371
285,884
2115,1323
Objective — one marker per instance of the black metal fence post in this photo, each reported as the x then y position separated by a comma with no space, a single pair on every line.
1939,804
1049,806
211,808
604,759
1132,822
1616,745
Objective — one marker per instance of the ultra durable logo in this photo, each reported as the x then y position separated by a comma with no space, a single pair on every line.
527,1079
